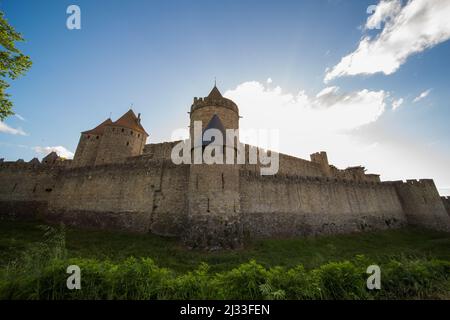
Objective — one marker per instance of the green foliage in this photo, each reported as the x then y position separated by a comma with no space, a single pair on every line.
243,282
39,272
13,63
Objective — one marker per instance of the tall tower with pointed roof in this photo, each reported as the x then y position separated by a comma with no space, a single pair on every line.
213,190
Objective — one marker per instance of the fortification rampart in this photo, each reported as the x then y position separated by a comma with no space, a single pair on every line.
161,151
446,201
140,195
422,204
25,188
285,205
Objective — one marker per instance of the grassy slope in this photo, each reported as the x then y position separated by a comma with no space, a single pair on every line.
379,246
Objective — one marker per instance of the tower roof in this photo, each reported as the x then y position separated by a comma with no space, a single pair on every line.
131,121
214,123
100,128
215,93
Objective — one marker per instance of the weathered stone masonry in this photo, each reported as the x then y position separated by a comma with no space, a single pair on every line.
117,182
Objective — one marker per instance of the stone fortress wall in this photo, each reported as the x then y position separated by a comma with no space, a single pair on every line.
446,201
135,187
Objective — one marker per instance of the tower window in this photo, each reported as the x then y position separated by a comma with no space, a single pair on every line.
123,129
128,143
131,132
139,135
97,137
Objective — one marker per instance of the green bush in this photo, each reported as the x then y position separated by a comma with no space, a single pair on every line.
40,273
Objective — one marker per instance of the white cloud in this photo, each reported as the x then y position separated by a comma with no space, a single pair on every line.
384,11
269,80
418,25
306,123
4,128
397,103
421,96
60,150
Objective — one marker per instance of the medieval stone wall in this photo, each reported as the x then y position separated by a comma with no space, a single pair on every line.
422,204
446,201
136,196
161,151
25,189
297,206
139,195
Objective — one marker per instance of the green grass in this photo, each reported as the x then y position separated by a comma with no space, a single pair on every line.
380,247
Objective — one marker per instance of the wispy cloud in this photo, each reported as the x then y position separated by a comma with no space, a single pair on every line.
18,116
421,96
60,150
410,29
4,128
397,103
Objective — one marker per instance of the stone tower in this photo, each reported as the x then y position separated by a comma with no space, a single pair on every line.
321,158
213,201
87,148
121,139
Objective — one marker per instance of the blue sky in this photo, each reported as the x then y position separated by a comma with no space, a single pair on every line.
158,55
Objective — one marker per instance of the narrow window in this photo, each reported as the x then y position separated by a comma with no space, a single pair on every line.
123,129
128,143
207,210
223,182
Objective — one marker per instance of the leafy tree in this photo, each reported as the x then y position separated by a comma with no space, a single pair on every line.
13,63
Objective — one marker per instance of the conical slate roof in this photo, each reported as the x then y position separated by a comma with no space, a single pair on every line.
131,121
214,123
100,128
215,94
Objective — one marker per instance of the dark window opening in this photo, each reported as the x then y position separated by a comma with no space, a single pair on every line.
48,190
128,143
97,137
35,187
123,129
207,210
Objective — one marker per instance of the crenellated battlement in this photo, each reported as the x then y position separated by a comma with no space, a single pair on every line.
215,102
